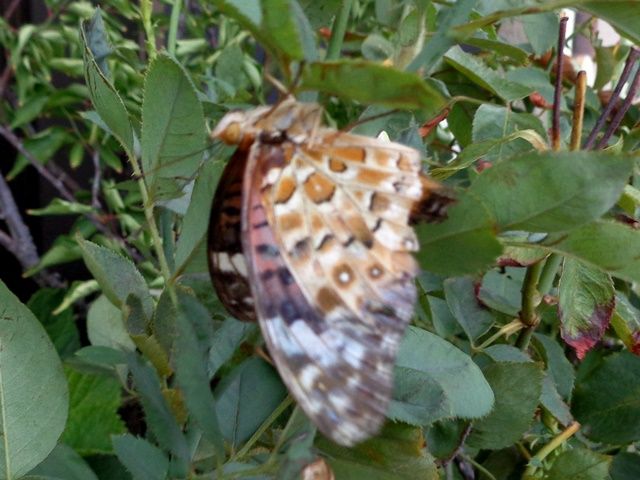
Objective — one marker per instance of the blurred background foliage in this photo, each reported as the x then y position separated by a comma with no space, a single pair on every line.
522,361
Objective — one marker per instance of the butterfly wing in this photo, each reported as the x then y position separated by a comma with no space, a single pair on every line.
328,248
227,263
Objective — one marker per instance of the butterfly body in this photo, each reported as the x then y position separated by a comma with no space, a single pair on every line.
310,235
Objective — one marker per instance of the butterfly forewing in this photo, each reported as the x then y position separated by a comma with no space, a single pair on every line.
324,230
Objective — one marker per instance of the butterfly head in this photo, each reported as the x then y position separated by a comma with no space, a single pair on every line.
232,128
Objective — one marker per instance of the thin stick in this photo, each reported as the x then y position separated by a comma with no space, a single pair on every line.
338,30
530,301
42,170
622,111
557,93
548,448
97,173
631,60
578,110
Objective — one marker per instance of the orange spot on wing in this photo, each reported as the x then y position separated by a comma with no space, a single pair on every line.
353,154
319,188
285,190
372,177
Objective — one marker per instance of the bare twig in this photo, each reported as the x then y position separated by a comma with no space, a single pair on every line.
10,9
13,139
19,240
615,95
557,93
617,119
463,438
97,173
578,110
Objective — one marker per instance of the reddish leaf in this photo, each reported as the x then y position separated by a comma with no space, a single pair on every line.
626,323
586,304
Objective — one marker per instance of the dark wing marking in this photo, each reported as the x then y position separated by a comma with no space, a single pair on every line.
227,263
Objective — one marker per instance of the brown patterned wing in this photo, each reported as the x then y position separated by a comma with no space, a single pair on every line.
227,263
330,359
341,269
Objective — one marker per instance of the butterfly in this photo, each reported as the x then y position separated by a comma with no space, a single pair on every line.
309,235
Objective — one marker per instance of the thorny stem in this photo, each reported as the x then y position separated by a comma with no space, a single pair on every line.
557,92
530,301
615,95
578,110
549,273
537,459
146,7
338,30
617,119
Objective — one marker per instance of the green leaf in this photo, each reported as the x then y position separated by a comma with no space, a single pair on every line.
435,380
558,367
105,326
464,243
607,401
625,466
193,228
143,460
501,291
320,14
62,207
586,303
494,122
482,149
279,21
159,418
271,22
106,99
64,463
173,127
626,323
580,464
610,246
93,404
191,372
517,388
98,41
117,276
372,83
397,453
61,328
473,317
246,397
226,341
33,390
623,15
64,250
554,191
485,77
553,402
31,109
443,39
541,30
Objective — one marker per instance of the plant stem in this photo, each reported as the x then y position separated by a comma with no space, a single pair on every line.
286,403
557,92
173,26
537,459
530,301
146,7
622,111
480,468
549,273
338,30
578,111
626,71
153,227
